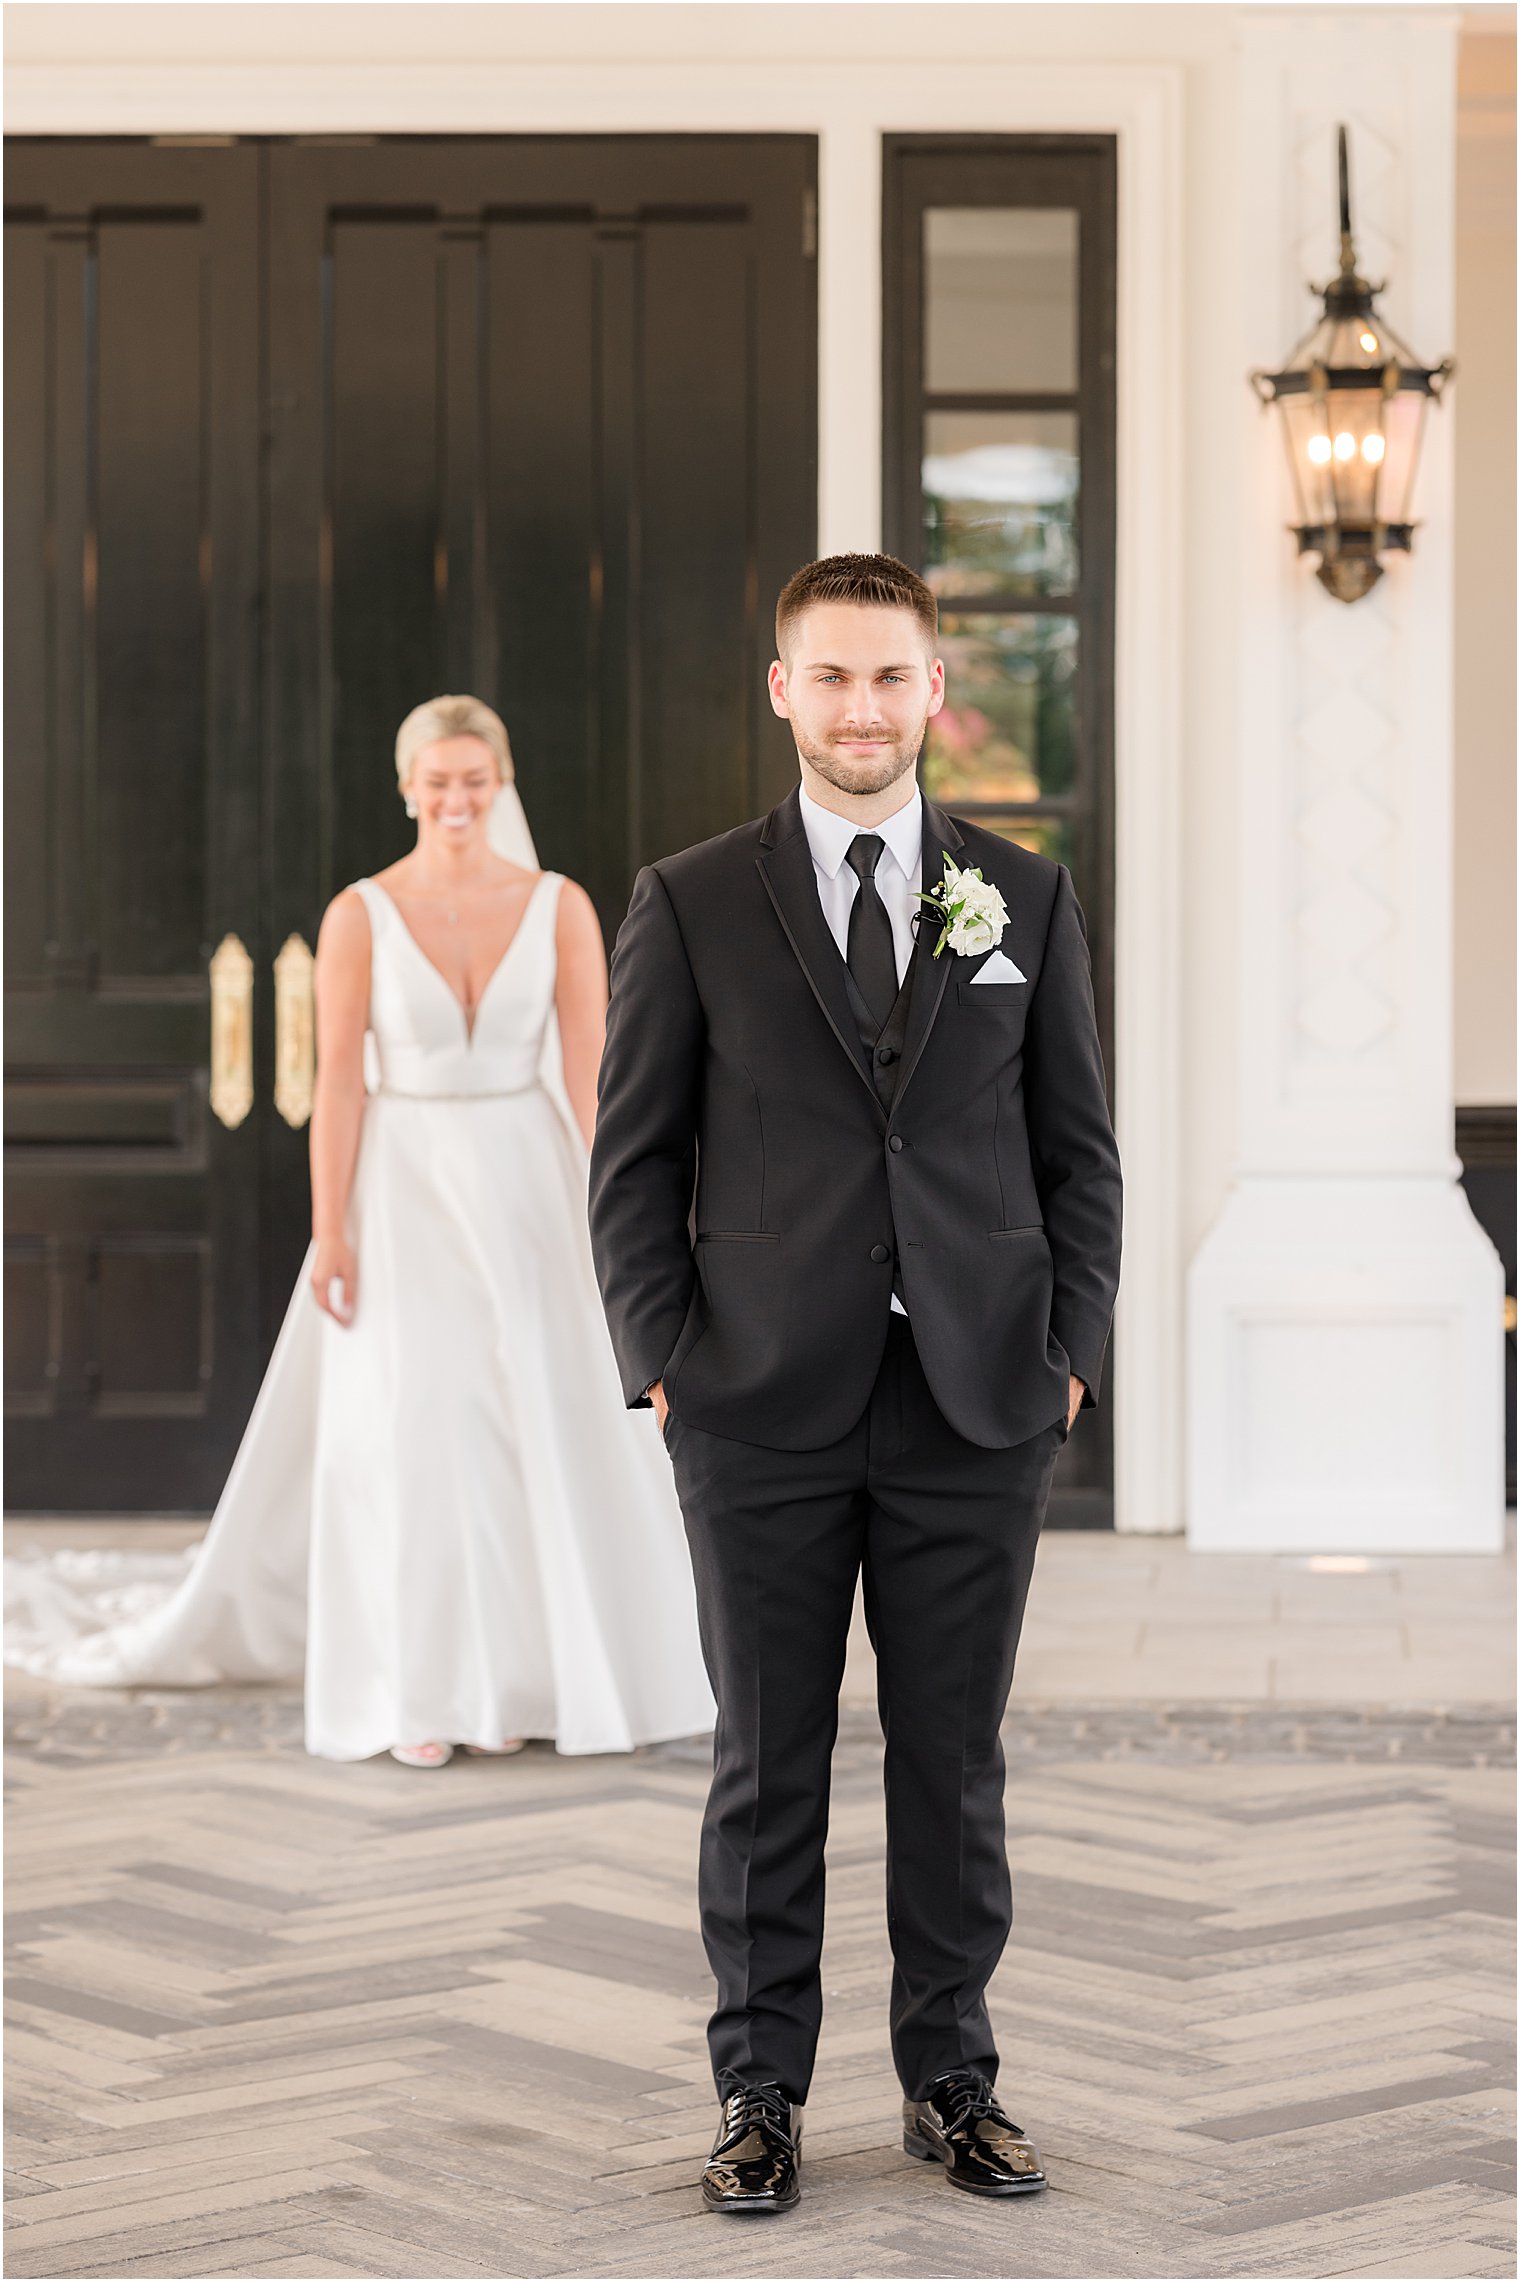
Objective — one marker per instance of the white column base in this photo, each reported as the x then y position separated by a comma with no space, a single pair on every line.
1346,1371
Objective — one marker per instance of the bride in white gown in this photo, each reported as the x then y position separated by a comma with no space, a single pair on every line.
441,1505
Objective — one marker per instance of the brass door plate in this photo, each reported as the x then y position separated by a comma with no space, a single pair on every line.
295,1036
231,1031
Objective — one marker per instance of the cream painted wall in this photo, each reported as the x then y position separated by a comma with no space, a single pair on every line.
1484,410
1215,403
403,32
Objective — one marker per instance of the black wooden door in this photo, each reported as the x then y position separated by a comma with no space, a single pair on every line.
131,805
537,420
543,429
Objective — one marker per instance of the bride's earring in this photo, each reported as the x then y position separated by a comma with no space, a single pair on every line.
411,806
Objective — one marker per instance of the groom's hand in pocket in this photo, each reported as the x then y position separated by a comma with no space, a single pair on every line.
335,1281
1074,1393
656,1395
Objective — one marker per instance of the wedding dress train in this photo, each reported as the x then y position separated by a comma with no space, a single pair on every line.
444,1511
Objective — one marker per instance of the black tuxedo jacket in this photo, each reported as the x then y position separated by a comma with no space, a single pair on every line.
735,1080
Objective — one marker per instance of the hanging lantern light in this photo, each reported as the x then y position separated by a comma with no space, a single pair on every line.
1353,399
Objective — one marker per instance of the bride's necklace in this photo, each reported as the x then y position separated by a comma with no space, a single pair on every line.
441,895
445,896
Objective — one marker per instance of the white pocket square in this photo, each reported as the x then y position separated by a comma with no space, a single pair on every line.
999,969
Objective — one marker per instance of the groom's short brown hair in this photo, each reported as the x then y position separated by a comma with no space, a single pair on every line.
879,581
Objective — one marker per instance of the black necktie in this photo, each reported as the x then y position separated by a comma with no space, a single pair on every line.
870,955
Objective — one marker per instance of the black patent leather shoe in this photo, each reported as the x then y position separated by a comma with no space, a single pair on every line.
753,2165
961,2126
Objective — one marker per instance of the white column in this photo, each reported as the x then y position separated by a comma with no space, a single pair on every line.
1345,1345
849,334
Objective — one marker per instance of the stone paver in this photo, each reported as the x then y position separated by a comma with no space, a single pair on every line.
271,2016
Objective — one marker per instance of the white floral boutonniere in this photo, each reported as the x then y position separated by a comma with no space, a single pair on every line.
972,912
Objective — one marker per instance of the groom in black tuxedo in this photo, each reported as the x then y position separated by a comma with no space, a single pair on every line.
855,1206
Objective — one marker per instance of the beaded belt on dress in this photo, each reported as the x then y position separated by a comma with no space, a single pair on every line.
500,1093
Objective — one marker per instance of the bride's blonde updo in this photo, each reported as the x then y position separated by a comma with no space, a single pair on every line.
451,717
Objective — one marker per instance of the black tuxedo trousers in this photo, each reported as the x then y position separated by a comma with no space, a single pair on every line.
943,1533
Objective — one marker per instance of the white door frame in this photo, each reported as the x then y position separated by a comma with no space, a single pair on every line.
850,108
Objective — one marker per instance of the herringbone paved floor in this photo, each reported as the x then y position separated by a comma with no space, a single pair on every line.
276,2017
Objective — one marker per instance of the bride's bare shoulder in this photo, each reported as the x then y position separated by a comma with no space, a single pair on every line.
578,937
344,933
506,873
576,909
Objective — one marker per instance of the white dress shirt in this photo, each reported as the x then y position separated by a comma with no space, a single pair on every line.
898,869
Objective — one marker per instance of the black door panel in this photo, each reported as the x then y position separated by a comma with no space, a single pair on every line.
523,397
132,547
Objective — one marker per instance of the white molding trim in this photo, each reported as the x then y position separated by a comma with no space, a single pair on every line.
849,109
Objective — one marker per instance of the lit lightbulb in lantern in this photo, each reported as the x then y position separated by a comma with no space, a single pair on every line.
1319,449
1372,449
1345,446
1369,343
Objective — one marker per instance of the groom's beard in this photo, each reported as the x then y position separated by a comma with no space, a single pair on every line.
851,772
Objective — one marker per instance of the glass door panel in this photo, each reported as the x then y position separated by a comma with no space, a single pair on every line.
999,295
1000,503
1008,731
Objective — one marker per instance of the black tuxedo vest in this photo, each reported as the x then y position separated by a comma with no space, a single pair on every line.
883,1049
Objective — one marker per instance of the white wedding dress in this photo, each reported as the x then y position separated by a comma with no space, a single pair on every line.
445,1511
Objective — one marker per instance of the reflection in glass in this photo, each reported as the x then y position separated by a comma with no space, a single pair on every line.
1007,731
1000,502
1046,835
1000,298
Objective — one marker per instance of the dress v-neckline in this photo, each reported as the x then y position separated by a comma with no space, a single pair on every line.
470,1027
